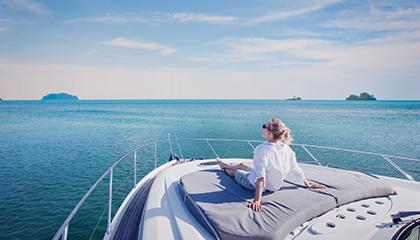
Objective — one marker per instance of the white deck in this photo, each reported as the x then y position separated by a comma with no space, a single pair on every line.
169,218
407,199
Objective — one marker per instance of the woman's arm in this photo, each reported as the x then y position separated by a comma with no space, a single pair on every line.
313,185
256,205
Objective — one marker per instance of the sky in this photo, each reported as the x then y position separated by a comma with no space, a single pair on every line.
100,49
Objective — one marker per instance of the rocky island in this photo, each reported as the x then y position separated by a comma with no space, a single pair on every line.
60,96
294,98
362,96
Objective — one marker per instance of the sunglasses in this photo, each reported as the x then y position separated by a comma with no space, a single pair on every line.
263,126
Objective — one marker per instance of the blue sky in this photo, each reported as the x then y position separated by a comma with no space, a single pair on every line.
325,49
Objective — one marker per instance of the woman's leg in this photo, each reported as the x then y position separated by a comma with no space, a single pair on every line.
239,171
225,166
231,172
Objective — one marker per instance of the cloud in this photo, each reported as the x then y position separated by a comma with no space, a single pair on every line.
197,59
110,19
263,45
6,20
279,15
92,51
231,57
262,49
27,5
199,17
380,20
122,42
156,17
386,57
393,52
395,37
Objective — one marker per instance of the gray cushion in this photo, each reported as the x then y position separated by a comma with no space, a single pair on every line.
343,185
224,202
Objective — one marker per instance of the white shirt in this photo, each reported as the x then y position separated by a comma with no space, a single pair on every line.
273,162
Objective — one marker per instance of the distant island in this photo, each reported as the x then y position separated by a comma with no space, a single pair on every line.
60,96
1,99
362,96
294,98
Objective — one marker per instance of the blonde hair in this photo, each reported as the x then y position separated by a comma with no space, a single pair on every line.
279,130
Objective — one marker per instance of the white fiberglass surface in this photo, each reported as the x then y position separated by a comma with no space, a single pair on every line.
352,215
165,215
361,224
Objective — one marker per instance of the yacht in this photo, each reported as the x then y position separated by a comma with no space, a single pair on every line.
369,196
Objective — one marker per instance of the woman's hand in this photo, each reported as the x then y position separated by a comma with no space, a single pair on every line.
255,206
313,185
316,185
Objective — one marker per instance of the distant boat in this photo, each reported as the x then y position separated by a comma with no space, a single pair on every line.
294,98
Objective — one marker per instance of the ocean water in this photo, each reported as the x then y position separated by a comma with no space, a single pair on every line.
52,152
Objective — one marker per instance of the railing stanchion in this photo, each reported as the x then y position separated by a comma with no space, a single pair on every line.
179,148
398,168
135,169
170,146
212,148
108,228
155,155
65,232
310,154
250,144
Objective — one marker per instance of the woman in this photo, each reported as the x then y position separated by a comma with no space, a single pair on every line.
272,162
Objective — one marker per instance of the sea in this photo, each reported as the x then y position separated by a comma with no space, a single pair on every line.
53,151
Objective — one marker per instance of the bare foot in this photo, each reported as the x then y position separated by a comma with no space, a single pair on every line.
221,164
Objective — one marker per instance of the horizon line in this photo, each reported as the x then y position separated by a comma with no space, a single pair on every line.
195,99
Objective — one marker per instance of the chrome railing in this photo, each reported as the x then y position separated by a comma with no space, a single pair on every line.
385,156
304,146
63,231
